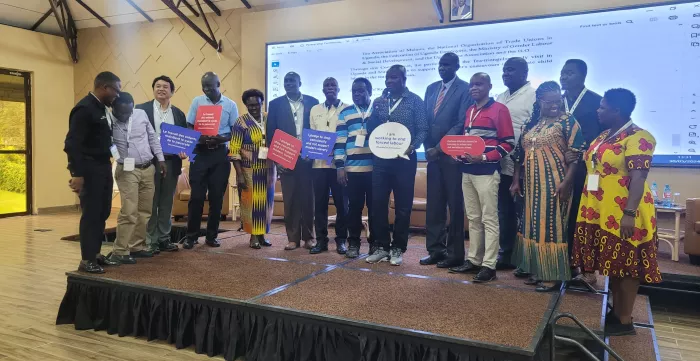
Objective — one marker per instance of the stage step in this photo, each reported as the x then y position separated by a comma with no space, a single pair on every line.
640,347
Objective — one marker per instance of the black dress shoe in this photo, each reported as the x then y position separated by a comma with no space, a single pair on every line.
154,249
432,259
189,243
613,327
340,247
263,242
126,259
90,267
213,242
467,267
449,263
519,273
167,247
142,254
319,247
104,261
553,288
485,275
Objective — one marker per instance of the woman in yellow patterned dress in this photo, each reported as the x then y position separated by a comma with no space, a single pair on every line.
254,174
616,227
542,244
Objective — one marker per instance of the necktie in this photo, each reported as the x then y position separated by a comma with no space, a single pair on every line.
440,98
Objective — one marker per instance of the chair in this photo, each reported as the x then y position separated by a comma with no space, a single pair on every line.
182,197
692,230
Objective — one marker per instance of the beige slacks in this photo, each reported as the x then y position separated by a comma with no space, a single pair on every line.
136,189
481,207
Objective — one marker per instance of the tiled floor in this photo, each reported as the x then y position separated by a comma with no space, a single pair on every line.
32,282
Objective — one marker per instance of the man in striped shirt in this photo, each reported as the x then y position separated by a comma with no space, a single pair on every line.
353,161
491,121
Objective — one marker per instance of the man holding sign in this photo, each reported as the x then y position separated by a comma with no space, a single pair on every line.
324,118
397,175
290,114
491,121
210,169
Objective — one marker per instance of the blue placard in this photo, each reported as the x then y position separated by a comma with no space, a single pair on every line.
317,144
174,139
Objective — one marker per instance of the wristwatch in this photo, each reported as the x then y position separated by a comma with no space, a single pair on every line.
483,157
629,212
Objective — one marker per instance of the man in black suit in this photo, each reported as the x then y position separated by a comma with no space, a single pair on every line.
160,111
290,114
446,104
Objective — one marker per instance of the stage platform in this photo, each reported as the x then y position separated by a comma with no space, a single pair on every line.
271,304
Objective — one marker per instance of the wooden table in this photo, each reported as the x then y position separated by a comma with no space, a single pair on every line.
673,238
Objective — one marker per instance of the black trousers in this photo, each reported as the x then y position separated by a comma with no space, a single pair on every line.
298,197
507,219
397,176
208,180
445,192
325,180
577,190
96,204
359,193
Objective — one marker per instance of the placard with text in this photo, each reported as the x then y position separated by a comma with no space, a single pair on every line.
284,149
174,139
208,119
318,144
458,145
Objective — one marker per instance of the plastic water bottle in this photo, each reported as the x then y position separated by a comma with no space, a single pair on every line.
667,196
655,192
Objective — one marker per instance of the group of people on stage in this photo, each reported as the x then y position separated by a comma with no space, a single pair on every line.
559,193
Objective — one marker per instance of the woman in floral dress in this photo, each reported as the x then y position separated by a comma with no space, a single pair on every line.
616,227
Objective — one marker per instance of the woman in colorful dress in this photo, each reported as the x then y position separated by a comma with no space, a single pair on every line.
542,248
616,227
255,174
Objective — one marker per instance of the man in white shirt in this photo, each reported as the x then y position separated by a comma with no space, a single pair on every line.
519,98
324,117
159,111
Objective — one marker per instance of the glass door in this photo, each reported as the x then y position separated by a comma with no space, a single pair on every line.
15,143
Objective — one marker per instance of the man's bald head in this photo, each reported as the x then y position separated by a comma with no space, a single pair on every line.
515,73
210,86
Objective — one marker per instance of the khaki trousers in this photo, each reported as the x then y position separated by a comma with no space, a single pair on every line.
481,206
136,189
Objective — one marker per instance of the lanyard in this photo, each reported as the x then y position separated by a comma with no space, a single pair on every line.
578,100
295,109
330,115
595,149
472,118
364,114
162,115
128,135
260,124
391,110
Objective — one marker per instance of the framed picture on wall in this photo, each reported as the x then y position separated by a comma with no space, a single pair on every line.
461,10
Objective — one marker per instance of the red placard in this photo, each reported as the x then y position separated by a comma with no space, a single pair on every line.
456,145
284,149
208,119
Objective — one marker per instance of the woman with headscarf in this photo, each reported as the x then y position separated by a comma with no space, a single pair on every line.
616,226
542,249
255,174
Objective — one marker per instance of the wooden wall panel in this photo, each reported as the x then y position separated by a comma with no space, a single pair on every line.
139,52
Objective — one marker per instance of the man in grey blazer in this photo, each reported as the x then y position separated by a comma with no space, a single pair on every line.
446,104
160,111
290,113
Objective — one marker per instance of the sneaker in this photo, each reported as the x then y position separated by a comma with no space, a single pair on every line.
379,255
485,275
396,257
353,252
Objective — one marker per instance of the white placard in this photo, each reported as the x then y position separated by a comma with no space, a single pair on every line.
390,141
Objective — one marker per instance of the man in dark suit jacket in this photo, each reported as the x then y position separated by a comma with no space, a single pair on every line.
160,111
290,114
446,103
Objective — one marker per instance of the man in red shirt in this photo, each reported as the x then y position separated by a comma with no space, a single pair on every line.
491,121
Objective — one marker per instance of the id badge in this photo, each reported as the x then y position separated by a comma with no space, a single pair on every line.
262,152
115,152
593,182
360,140
129,164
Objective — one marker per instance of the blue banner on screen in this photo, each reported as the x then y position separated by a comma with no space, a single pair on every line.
174,139
317,144
638,42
